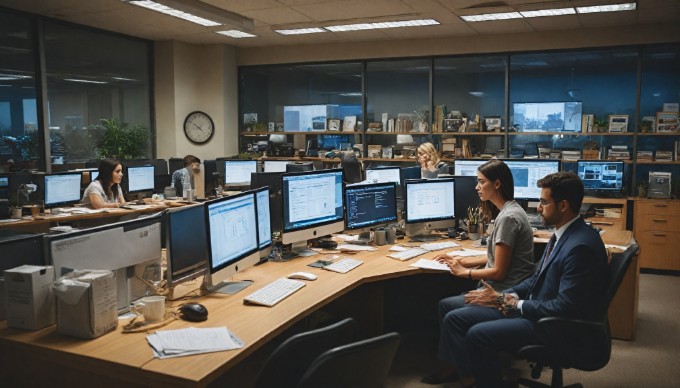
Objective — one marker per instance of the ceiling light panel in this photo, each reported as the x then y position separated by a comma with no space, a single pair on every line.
236,34
548,12
174,12
607,8
492,16
84,81
300,31
380,25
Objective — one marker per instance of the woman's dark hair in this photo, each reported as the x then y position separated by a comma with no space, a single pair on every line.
189,159
496,170
106,168
564,185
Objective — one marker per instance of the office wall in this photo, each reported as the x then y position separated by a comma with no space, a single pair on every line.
530,41
190,78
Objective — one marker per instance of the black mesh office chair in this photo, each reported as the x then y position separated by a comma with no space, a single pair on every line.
363,363
583,345
286,365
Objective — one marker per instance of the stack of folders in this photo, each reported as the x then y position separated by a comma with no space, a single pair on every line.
185,342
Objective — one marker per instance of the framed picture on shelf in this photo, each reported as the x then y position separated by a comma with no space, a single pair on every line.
666,122
387,152
452,125
334,125
492,123
349,124
618,123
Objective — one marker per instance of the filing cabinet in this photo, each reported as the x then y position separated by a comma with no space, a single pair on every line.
657,231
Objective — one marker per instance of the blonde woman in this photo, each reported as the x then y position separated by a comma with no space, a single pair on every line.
430,163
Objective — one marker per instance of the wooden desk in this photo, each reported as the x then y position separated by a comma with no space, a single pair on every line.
115,358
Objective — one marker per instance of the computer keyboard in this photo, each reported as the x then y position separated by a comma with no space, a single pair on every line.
408,254
274,292
437,246
344,265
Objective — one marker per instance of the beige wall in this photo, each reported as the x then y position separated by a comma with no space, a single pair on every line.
606,36
190,78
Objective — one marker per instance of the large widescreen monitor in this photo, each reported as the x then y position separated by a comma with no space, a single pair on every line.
237,172
601,177
264,225
140,178
62,189
465,194
467,167
313,206
429,200
232,236
527,172
547,116
186,249
384,174
370,204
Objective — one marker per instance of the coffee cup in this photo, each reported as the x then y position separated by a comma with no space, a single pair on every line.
151,307
380,236
391,235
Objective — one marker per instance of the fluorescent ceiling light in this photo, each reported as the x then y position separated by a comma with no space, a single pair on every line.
123,79
607,8
300,31
548,12
477,94
492,16
236,34
379,25
197,12
13,77
85,81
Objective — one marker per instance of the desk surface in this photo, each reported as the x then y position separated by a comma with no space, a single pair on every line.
129,357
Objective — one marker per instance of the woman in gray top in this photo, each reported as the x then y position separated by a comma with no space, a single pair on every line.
105,191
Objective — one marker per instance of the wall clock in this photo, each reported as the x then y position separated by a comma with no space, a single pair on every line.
199,127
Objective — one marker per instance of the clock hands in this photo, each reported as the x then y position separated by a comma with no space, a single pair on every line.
198,126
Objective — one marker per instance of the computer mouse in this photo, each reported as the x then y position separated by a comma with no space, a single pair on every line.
302,276
194,312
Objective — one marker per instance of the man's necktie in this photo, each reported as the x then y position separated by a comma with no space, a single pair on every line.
548,250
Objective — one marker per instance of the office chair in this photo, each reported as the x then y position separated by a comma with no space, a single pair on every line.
359,364
286,365
583,345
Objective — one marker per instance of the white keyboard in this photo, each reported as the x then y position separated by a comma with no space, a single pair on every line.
344,265
408,254
438,246
274,292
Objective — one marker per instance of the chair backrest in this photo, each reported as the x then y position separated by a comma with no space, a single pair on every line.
617,270
288,362
360,364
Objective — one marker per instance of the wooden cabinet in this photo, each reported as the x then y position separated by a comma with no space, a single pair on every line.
657,231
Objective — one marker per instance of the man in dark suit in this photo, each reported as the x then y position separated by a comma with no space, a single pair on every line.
569,282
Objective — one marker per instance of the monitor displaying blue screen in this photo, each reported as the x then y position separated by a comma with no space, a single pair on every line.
140,178
601,175
371,204
527,172
62,189
547,116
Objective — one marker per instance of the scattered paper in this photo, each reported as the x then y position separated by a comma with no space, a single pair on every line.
466,252
347,237
430,264
184,342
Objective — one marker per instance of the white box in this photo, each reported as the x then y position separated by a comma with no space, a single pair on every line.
86,303
29,297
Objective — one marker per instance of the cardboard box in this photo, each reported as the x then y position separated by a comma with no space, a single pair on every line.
86,303
29,297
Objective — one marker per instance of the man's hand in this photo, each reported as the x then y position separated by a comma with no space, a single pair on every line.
486,296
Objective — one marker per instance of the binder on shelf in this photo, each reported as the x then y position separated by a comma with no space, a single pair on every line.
587,123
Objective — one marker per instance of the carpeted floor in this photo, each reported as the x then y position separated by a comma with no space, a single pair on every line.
651,360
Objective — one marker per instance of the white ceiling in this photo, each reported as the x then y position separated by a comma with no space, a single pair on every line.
114,15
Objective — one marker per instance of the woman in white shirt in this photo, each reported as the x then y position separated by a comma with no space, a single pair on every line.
105,191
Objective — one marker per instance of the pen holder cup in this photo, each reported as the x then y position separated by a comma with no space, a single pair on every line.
380,236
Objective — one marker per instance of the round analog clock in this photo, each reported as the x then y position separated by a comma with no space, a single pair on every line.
199,127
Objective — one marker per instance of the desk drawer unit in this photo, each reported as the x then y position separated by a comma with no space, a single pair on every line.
657,231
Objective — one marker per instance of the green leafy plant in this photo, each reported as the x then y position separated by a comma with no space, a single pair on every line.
121,141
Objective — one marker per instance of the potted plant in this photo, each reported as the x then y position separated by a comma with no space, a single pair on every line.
121,141
601,125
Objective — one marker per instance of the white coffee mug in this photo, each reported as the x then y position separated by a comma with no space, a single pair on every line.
151,307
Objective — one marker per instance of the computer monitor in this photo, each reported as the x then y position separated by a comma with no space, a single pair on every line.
384,174
232,236
525,174
186,244
466,195
264,226
140,178
93,175
467,167
428,201
601,177
313,206
132,249
4,186
547,116
273,181
237,172
62,189
275,165
20,249
370,204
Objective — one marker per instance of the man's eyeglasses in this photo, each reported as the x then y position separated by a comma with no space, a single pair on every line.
544,203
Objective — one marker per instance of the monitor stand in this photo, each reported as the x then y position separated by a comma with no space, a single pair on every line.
229,288
301,249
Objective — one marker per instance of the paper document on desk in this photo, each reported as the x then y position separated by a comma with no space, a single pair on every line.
430,264
466,252
355,248
184,342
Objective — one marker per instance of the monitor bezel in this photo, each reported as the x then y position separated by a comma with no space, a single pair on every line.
359,186
225,163
397,168
271,238
455,162
411,182
193,271
534,161
594,192
127,174
49,205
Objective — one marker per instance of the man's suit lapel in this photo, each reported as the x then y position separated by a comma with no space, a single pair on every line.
558,247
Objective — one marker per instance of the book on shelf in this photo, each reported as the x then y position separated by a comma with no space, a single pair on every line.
664,156
587,123
676,151
645,156
571,155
